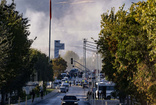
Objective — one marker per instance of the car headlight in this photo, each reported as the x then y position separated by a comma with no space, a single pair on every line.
75,102
63,102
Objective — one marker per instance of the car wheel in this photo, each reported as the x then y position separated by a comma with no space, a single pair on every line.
108,97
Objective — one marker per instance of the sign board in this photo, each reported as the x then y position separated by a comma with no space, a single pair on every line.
58,46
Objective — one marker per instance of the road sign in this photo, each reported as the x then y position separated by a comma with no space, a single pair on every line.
58,46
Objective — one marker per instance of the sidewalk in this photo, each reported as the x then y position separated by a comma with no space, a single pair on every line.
38,99
102,101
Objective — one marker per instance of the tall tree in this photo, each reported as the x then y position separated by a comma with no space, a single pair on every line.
5,47
15,34
126,42
42,66
59,66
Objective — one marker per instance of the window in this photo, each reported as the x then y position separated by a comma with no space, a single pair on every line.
110,88
69,98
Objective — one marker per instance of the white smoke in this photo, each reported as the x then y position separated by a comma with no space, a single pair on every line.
81,19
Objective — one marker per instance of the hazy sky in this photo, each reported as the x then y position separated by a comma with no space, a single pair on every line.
72,21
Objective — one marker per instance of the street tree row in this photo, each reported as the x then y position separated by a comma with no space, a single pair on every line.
17,61
127,44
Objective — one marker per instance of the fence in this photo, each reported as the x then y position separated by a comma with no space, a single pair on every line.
101,101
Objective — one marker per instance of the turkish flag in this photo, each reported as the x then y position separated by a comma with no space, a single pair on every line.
50,9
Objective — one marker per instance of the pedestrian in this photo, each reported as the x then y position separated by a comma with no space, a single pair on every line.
41,94
98,94
88,94
33,95
93,95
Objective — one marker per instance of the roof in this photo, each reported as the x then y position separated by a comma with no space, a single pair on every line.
105,84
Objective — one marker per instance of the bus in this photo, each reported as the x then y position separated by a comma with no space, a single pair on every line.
104,89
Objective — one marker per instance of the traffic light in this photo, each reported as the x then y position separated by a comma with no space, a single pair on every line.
71,60
50,61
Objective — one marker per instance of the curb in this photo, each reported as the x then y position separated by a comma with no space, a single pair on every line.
38,99
50,95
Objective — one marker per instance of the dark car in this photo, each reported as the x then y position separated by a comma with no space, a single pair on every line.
69,100
85,86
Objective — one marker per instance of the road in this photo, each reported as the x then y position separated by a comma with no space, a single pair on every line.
73,90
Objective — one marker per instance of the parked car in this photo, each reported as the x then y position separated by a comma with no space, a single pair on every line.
69,100
63,89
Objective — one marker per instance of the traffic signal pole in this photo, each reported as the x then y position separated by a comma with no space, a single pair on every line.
84,55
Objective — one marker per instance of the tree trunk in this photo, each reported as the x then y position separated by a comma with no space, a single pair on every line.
127,99
131,100
3,97
143,102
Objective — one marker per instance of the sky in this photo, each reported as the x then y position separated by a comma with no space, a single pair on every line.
72,21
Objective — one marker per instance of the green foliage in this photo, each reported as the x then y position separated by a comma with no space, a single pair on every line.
15,67
41,66
15,45
59,66
18,62
127,45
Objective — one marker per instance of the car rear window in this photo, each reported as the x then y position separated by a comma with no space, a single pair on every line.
69,98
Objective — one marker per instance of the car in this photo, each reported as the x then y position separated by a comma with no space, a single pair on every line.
63,89
65,85
85,85
63,80
69,100
78,83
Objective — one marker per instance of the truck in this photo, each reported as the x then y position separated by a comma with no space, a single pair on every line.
104,89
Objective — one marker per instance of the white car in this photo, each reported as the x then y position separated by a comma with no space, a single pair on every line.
65,85
63,89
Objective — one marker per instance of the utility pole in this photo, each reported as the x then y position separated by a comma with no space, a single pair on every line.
84,54
50,30
97,70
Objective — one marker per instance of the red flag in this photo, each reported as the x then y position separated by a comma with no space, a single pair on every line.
50,9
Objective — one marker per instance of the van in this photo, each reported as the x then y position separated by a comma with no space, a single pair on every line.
105,89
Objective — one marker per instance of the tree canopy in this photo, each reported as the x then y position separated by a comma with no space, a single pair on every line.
42,66
18,62
127,45
59,66
14,44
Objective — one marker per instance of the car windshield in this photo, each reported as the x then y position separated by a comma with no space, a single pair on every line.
69,98
62,88
110,88
65,85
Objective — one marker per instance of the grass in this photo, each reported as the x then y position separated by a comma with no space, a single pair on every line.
49,90
38,95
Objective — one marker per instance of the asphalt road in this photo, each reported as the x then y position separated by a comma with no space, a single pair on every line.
73,90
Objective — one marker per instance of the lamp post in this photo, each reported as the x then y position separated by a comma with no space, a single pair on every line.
50,29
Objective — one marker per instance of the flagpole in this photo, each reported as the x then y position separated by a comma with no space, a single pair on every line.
50,31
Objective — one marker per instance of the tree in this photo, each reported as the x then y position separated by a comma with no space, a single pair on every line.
145,14
127,46
4,46
15,45
42,66
59,66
